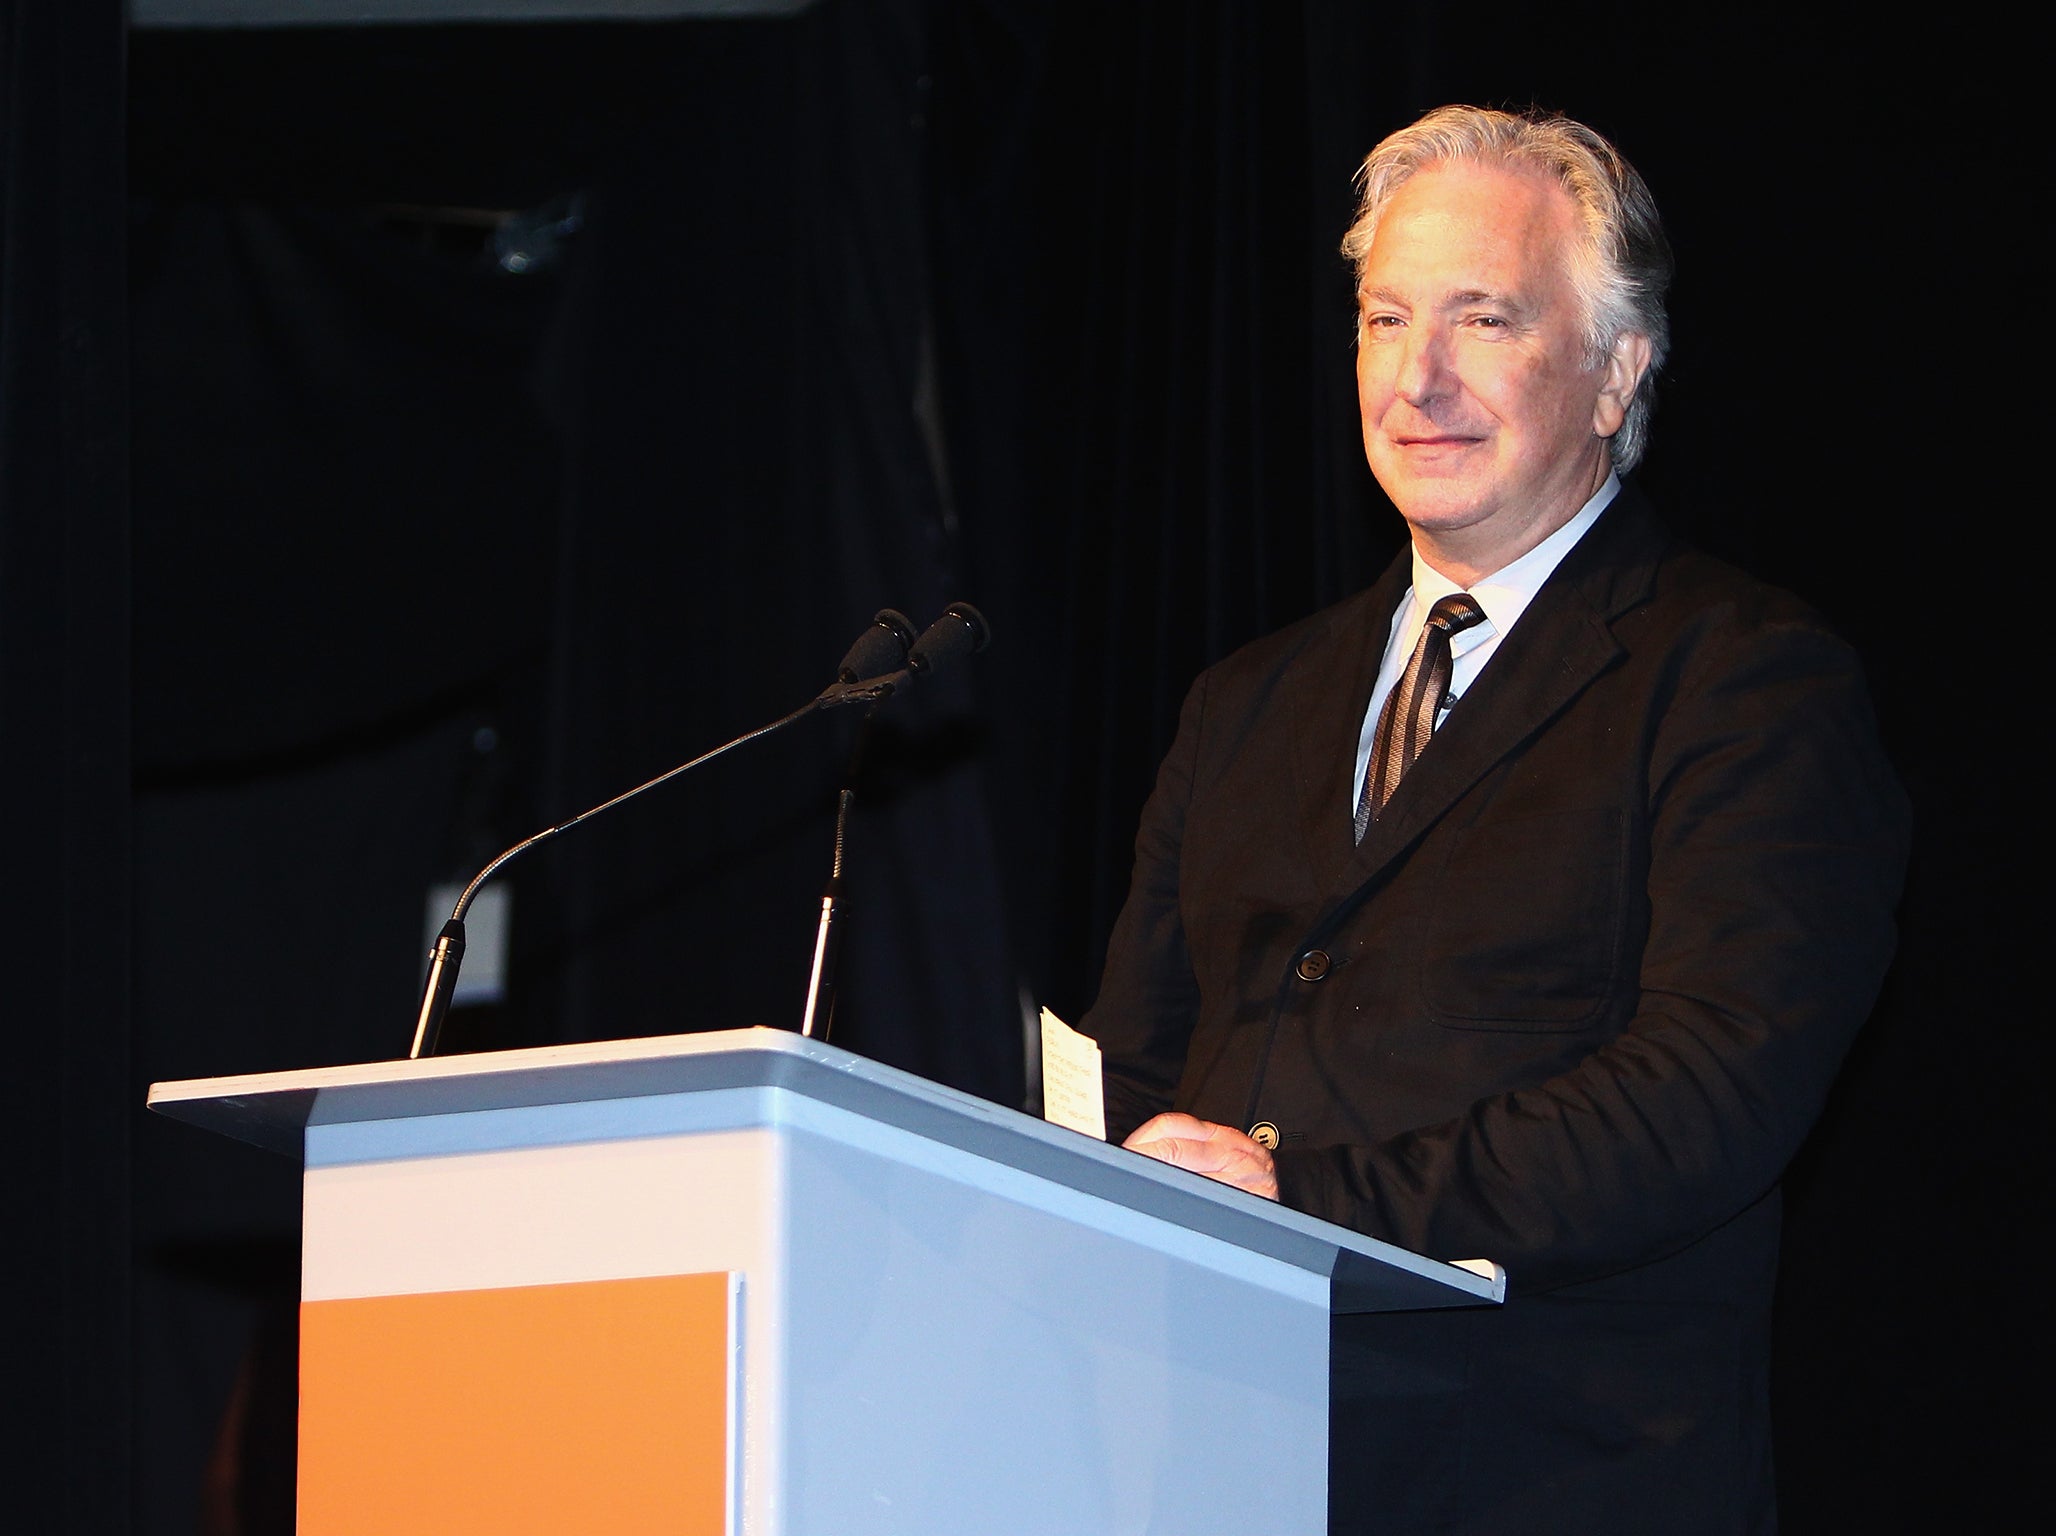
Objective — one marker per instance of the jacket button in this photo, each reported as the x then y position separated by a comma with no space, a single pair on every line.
1265,1135
1313,965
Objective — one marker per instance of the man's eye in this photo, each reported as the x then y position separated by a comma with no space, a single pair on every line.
1489,322
1382,322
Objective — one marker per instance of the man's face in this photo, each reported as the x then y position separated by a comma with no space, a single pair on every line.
1481,419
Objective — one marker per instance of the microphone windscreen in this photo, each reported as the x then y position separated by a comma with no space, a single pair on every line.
961,631
880,649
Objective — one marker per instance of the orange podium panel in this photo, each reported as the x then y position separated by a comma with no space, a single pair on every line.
594,1406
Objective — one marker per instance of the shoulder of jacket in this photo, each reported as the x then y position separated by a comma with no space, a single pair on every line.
1337,627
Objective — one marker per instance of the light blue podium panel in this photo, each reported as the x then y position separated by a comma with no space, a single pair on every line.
953,1318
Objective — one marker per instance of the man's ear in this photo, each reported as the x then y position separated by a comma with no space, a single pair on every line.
1625,365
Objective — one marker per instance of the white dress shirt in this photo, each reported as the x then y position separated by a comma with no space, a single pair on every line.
1504,595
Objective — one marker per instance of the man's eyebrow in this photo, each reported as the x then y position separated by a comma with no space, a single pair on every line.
1512,302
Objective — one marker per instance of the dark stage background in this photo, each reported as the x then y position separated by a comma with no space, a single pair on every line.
414,435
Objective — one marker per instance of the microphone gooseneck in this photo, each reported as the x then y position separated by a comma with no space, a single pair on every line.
448,953
880,648
885,658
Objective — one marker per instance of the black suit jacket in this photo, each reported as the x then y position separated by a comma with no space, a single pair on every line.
1571,1006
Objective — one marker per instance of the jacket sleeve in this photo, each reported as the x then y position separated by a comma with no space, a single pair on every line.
1148,997
1776,845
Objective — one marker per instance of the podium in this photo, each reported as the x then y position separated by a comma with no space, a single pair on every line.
749,1284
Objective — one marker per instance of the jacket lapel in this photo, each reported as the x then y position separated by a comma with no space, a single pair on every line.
1325,696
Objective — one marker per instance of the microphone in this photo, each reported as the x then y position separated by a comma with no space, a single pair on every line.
879,649
960,632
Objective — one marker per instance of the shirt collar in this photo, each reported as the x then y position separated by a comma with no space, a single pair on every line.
1506,592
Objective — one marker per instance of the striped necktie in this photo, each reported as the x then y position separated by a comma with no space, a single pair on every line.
1408,717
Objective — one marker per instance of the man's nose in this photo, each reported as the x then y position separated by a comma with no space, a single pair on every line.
1423,365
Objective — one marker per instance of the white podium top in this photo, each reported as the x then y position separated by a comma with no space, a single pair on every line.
274,1110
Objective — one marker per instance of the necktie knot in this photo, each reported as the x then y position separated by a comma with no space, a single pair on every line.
1456,612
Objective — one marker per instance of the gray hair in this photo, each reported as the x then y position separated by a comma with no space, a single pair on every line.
1623,266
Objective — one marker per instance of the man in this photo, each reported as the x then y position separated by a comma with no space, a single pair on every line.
1564,983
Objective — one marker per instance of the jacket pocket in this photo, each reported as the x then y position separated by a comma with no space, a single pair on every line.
1525,930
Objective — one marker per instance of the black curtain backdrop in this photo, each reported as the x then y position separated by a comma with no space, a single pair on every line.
65,901
512,412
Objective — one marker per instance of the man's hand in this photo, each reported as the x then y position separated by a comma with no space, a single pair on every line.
1218,1151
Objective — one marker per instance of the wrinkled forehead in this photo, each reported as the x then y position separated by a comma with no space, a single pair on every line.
1490,227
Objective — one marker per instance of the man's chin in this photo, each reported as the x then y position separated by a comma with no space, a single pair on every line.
1434,505
1441,484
